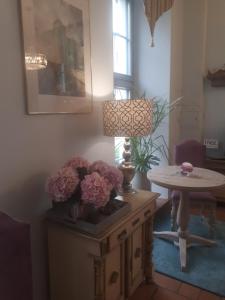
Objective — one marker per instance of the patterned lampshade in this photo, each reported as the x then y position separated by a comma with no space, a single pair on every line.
127,118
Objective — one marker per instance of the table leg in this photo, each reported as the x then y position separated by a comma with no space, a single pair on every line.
183,216
201,240
183,254
182,238
167,235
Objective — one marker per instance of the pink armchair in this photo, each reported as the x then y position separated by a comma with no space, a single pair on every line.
15,260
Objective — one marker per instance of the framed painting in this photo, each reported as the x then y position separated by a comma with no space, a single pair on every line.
56,38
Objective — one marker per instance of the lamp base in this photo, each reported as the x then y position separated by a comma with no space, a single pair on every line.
128,174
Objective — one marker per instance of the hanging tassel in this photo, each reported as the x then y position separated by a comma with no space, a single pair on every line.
153,42
153,10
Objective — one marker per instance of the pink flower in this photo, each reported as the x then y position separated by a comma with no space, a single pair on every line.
95,190
113,174
77,162
115,177
61,185
99,166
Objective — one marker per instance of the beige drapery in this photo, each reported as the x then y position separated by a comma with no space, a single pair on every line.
153,10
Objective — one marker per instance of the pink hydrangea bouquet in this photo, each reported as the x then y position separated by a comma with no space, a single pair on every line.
95,190
62,185
88,184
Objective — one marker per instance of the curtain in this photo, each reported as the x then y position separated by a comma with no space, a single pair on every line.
153,10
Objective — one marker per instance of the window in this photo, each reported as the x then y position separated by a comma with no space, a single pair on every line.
122,58
122,48
121,93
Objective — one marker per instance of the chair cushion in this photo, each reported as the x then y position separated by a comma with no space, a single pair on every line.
195,196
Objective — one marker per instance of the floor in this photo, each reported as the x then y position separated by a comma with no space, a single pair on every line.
166,288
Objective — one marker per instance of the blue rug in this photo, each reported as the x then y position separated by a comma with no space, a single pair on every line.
206,265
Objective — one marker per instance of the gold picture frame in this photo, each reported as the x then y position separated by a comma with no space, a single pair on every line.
57,51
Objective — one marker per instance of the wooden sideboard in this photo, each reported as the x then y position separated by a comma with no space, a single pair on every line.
106,267
217,165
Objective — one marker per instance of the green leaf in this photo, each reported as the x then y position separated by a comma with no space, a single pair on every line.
146,151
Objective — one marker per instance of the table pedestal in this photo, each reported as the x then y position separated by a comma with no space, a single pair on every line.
182,238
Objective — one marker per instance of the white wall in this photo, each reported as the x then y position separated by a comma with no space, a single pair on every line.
176,75
215,58
32,146
198,37
193,68
152,64
187,69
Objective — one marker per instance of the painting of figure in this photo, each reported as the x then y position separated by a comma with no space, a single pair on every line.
57,30
59,34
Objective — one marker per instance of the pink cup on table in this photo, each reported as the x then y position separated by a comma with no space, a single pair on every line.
186,168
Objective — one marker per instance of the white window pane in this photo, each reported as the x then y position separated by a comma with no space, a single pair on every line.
119,141
122,57
120,17
120,48
120,94
128,20
129,58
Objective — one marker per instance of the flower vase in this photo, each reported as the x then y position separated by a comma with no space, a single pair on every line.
141,181
61,208
74,211
89,213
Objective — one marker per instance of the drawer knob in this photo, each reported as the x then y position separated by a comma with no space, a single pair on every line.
137,253
114,277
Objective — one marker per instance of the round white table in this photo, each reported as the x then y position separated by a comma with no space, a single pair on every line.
199,180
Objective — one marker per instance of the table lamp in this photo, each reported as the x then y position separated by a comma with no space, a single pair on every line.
127,118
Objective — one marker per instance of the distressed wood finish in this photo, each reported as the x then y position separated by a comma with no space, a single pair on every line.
199,180
106,267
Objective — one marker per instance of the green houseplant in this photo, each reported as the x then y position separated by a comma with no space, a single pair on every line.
148,150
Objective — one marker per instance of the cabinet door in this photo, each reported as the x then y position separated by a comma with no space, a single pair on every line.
136,259
114,274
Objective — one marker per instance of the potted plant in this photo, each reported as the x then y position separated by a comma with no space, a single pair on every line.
148,150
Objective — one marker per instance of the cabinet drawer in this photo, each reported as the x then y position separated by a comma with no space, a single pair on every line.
141,217
124,231
136,221
119,236
149,211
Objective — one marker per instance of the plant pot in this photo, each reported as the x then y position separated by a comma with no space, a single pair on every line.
66,209
92,220
61,208
141,181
